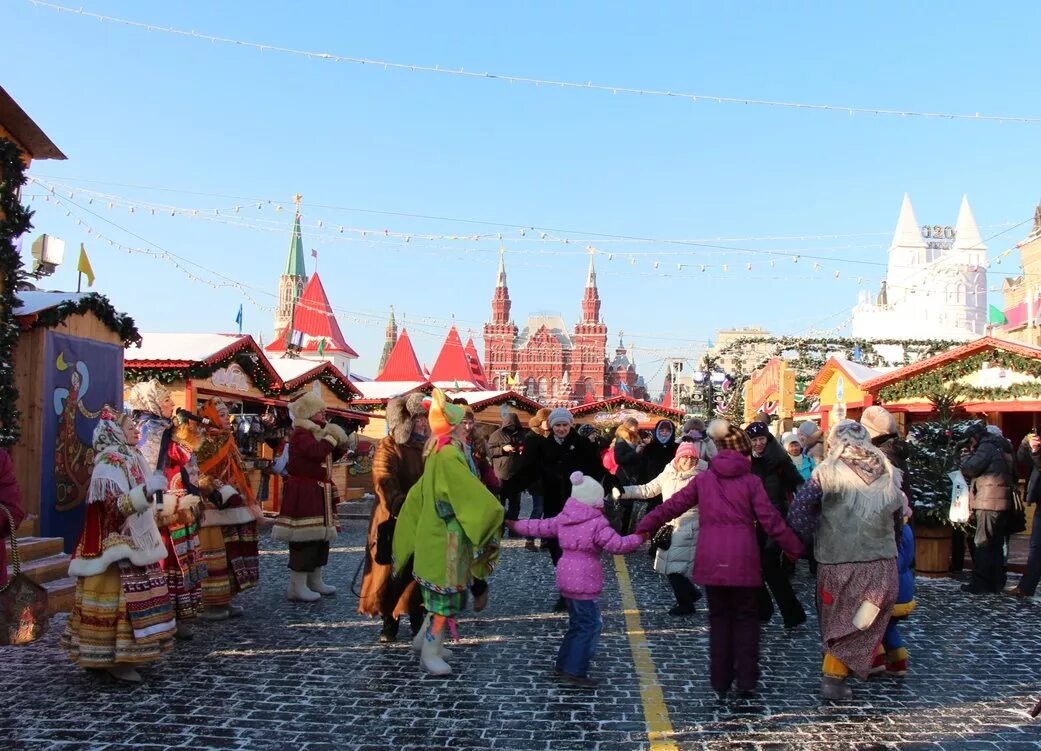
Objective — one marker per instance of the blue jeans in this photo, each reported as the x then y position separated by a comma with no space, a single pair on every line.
583,634
1032,572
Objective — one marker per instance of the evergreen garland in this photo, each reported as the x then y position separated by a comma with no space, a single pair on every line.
935,380
15,220
99,305
248,361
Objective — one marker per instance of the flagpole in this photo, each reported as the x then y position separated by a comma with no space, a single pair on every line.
79,281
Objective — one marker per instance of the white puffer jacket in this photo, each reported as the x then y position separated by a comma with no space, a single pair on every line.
679,558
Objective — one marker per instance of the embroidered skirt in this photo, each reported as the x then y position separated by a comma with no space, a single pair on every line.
122,616
184,571
241,542
216,587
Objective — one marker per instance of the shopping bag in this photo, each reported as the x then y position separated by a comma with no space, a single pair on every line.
959,513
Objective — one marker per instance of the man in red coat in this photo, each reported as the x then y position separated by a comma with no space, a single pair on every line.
307,517
10,499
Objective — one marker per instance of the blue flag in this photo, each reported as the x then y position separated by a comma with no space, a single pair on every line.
238,318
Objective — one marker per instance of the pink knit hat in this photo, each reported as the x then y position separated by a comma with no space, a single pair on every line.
687,448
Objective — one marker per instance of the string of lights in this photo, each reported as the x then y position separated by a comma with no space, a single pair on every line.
386,65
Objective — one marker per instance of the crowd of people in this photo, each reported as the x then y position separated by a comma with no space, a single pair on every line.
171,527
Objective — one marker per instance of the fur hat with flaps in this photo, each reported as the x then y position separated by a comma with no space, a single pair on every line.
729,437
586,490
878,421
306,407
443,414
148,396
400,411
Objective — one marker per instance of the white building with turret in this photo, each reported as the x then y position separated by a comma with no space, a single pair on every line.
935,285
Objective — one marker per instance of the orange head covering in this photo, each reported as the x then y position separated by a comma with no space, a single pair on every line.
443,415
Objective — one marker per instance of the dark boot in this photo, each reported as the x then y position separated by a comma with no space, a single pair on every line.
415,621
389,632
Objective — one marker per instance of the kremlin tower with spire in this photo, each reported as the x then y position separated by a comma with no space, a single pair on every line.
305,325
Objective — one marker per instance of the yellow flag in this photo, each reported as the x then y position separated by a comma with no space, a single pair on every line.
84,266
510,380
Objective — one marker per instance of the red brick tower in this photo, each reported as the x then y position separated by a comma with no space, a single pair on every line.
500,334
588,362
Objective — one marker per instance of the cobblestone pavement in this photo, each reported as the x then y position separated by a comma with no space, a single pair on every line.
312,677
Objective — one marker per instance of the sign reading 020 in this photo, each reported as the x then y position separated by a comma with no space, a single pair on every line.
937,232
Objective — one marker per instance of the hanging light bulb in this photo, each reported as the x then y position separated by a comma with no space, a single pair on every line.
726,268
702,268
656,264
749,267
795,259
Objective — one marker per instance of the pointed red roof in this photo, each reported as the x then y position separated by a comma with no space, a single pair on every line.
313,317
402,363
451,364
475,364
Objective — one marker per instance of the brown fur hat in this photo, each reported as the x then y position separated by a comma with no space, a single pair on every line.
400,411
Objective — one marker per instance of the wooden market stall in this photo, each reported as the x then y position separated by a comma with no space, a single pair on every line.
996,379
67,365
837,391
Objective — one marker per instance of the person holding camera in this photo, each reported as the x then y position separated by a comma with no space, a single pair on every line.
396,467
504,449
987,466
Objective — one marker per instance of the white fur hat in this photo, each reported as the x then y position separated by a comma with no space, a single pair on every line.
306,407
586,490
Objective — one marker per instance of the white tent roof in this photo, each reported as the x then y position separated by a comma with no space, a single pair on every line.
189,347
386,389
290,369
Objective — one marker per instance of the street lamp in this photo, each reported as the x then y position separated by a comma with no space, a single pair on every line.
47,253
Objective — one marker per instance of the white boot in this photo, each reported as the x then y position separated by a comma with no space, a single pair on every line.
125,673
315,583
417,640
430,654
298,590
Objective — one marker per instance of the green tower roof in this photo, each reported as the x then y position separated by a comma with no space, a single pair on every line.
295,262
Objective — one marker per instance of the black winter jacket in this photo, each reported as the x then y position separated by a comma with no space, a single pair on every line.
780,477
556,462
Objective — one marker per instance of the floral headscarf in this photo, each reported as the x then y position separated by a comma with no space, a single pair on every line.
118,466
148,396
850,442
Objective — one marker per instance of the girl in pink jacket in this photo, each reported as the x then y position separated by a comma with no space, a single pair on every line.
582,531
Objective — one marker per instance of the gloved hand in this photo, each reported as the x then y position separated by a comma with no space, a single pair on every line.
155,483
335,435
616,493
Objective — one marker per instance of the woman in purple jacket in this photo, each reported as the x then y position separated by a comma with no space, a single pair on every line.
730,501
582,531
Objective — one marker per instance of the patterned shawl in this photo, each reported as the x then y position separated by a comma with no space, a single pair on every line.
118,466
148,396
850,443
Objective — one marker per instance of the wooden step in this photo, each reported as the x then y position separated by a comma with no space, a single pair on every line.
31,548
61,594
46,569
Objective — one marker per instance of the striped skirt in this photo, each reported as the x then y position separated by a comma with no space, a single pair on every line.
122,616
241,542
216,587
842,587
184,571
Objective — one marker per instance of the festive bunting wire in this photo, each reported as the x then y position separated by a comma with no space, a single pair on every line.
541,82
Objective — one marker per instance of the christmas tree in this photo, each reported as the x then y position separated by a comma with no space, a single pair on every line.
935,450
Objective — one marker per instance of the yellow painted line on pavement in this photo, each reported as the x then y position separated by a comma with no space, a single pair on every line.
655,713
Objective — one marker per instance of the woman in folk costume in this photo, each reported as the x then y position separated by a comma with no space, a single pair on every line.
853,507
307,517
396,467
122,618
449,527
178,515
230,514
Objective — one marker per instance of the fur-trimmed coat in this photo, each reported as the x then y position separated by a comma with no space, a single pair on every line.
305,514
396,467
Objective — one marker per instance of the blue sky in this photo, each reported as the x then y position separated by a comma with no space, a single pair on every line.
204,126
